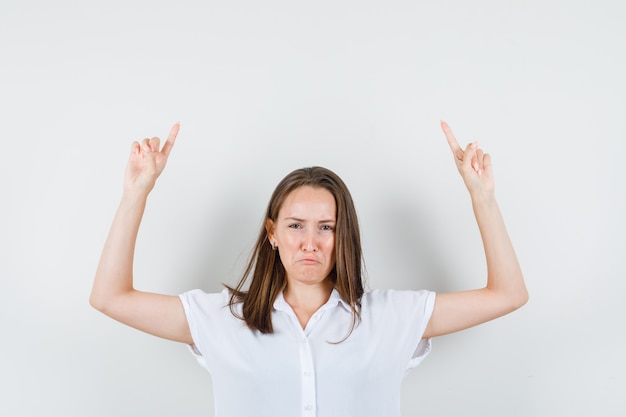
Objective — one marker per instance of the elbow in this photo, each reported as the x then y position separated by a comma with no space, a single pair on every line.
101,301
105,296
107,302
519,299
525,298
511,299
96,302
513,295
103,305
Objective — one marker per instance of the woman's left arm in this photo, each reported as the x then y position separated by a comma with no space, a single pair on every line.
505,290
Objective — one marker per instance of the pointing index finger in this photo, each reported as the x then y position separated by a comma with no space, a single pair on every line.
454,144
171,138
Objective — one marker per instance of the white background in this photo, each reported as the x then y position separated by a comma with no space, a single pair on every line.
264,87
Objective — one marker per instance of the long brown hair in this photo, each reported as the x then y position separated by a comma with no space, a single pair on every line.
266,270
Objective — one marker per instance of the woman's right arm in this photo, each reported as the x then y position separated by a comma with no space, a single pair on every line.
113,293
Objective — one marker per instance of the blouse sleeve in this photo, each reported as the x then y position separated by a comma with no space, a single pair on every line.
202,310
424,346
398,319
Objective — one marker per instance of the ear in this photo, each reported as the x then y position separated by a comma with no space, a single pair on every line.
269,228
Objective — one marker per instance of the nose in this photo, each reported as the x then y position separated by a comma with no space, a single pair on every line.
309,241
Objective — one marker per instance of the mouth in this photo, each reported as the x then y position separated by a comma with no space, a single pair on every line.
308,261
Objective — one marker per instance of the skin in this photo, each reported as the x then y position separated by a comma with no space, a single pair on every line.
306,248
304,234
113,293
505,290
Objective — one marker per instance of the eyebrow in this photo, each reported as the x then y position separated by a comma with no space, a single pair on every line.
297,219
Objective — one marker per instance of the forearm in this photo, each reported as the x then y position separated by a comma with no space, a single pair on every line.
504,275
114,275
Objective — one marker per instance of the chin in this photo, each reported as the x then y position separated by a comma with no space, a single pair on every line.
310,279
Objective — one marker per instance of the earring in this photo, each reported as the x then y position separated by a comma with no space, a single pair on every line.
274,247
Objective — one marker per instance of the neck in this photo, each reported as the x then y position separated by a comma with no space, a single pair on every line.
306,299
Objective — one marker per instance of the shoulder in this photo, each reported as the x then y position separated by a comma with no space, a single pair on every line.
401,302
396,296
200,301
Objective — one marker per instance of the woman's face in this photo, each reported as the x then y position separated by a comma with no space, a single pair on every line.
304,233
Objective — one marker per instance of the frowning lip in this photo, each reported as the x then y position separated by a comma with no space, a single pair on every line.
308,261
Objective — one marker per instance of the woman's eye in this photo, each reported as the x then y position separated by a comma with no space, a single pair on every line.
295,226
327,227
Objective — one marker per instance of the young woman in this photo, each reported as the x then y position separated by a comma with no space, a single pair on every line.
302,337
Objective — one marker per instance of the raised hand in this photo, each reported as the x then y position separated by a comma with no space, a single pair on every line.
146,162
113,291
473,164
505,290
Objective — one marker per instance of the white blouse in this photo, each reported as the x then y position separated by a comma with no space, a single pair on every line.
301,372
